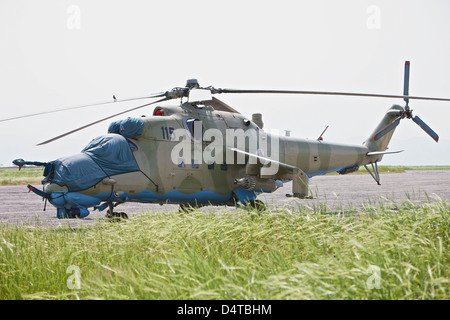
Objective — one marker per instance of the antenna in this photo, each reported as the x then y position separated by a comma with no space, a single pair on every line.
320,138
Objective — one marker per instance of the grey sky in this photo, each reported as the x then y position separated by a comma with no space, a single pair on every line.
57,54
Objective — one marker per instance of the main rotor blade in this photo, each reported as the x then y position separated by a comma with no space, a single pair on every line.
387,129
98,121
426,128
373,95
157,95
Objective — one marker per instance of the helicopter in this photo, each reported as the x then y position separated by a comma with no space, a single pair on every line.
202,152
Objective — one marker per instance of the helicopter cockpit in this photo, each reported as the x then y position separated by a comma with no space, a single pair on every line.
103,157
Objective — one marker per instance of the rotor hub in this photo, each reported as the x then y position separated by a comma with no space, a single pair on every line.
408,112
192,84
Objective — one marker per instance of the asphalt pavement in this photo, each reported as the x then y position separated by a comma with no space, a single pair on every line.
336,193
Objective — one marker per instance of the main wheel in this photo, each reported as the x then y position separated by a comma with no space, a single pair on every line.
117,216
257,205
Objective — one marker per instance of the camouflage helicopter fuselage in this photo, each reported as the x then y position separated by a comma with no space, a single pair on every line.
163,178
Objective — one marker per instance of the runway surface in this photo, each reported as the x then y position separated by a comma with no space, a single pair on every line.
335,192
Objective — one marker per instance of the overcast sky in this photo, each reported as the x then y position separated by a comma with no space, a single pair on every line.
58,53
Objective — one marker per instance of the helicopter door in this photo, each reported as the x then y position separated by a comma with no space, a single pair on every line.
186,173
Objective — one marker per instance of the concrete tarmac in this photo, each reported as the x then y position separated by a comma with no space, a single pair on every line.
336,193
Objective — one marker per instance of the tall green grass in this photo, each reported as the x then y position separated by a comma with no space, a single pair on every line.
387,252
14,176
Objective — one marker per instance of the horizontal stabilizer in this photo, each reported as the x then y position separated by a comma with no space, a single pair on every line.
377,153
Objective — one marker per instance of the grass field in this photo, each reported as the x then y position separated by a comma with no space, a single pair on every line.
12,176
387,252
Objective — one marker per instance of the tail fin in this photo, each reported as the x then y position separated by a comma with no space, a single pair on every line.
377,143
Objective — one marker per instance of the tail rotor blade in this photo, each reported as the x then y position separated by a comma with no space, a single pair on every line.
406,82
426,128
387,129
101,120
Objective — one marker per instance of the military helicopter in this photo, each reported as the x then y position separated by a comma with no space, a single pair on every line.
202,152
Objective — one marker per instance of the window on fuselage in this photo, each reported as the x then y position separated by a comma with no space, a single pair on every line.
192,124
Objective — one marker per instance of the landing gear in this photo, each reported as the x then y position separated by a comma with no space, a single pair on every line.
298,195
115,216
257,205
374,173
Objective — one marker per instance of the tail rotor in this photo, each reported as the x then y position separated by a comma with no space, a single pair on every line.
406,113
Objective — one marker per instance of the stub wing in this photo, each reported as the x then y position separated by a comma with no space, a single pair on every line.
300,181
264,160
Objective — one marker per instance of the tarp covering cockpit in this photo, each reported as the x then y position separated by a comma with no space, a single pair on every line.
103,157
129,128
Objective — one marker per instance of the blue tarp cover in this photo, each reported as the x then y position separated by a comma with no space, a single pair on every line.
103,157
130,127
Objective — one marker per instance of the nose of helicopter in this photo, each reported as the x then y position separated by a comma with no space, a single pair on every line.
103,157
